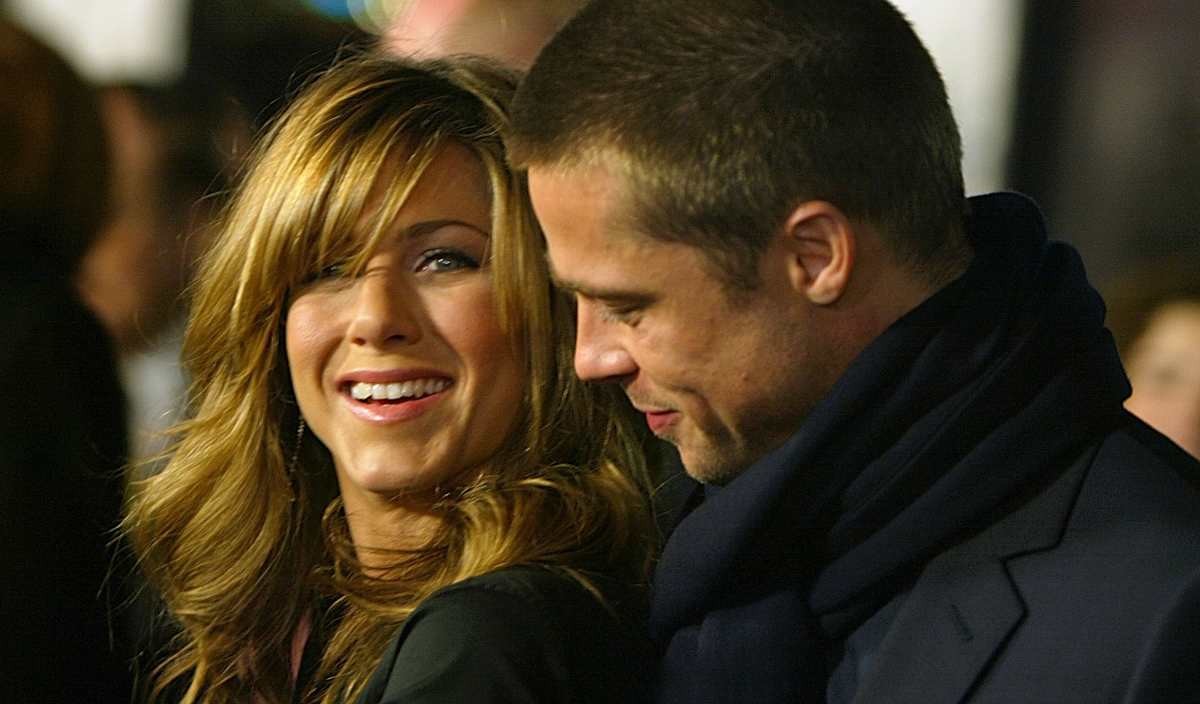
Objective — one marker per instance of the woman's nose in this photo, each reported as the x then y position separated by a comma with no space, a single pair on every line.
386,311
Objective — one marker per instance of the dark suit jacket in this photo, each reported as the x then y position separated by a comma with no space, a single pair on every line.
1087,592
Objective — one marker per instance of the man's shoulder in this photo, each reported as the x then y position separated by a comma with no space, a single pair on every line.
1140,478
1086,581
1134,516
1134,442
1112,584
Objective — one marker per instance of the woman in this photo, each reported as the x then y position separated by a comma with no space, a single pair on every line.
1155,315
388,446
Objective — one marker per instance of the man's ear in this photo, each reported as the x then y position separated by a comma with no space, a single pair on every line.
820,242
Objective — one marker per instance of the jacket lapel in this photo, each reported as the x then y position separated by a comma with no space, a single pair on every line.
957,615
963,607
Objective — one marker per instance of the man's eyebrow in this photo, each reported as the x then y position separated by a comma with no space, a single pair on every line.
568,286
599,294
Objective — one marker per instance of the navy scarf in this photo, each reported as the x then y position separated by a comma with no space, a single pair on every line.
981,392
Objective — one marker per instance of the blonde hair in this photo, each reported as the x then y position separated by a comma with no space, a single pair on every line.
241,544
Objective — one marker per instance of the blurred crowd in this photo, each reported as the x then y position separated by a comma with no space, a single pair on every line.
107,195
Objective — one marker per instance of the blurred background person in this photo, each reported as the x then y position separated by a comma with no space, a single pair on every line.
1155,315
1037,88
510,31
179,107
62,432
174,153
174,149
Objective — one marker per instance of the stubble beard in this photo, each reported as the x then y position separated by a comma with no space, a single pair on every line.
722,457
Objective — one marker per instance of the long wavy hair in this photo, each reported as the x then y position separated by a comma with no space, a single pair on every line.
243,533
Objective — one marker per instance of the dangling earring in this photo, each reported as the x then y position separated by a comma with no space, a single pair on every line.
442,494
294,462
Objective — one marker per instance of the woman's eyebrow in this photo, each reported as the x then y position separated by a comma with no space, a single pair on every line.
426,227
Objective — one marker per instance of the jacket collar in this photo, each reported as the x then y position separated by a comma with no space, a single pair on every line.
963,607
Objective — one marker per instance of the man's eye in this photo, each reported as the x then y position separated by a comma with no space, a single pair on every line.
624,313
446,260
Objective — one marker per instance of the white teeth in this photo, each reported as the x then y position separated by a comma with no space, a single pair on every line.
363,391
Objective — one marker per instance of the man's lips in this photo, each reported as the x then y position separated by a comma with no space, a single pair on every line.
660,420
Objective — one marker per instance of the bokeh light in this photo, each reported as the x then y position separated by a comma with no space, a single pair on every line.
372,16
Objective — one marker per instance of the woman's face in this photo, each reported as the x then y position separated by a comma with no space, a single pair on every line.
1164,369
402,371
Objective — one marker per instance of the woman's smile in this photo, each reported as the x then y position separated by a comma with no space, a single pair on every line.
398,361
393,396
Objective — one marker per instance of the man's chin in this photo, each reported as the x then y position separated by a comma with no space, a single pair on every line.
709,466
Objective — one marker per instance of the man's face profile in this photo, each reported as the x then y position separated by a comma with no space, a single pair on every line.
709,372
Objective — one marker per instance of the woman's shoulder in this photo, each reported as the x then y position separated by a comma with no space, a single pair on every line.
537,584
519,634
548,600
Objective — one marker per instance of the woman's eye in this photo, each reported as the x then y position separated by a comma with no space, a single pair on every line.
339,270
327,275
446,260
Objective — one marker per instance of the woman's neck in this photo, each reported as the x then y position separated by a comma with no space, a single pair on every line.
380,525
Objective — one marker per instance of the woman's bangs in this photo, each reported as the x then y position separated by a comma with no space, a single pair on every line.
367,184
401,166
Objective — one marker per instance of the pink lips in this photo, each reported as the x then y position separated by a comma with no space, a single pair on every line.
393,411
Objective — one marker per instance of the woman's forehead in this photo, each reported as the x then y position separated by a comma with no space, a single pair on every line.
453,185
447,183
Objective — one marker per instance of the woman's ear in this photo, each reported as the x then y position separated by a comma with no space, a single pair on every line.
820,242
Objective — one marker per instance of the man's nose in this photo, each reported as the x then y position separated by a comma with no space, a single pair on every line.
385,311
599,354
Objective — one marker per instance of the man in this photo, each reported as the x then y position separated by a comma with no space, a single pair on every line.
919,483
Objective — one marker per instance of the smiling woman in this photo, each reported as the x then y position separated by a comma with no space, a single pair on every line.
392,487
399,364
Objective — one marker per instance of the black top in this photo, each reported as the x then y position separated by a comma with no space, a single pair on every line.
62,445
521,634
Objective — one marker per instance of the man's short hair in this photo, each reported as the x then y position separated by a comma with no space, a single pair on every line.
724,115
